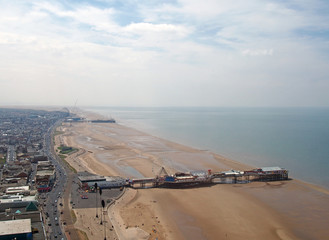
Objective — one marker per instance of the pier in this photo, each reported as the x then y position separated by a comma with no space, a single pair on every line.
183,180
199,178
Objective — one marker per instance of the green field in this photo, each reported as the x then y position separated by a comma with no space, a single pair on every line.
66,150
2,160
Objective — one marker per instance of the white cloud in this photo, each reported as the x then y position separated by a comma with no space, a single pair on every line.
140,28
190,52
257,52
99,19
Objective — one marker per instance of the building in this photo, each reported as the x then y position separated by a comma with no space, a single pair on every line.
45,176
15,190
39,158
85,178
88,180
268,174
16,201
45,165
20,229
110,182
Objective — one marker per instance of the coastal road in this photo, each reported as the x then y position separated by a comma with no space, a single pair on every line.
52,202
62,190
53,198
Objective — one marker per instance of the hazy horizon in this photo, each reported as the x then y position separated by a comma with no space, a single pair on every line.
26,106
156,54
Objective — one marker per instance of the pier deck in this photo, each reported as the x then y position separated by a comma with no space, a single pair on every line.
180,180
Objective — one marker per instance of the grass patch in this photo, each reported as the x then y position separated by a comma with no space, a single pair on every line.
72,168
63,157
2,160
73,216
58,132
66,150
82,235
69,165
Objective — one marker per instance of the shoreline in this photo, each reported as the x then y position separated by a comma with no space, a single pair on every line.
220,157
176,208
261,150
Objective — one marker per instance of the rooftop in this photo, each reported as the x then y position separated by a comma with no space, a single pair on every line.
17,198
23,188
91,178
15,226
114,178
45,172
44,163
268,169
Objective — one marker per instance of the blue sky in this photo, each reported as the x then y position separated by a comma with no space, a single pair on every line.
165,53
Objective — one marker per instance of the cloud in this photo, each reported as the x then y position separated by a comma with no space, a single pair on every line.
257,52
142,28
98,19
142,52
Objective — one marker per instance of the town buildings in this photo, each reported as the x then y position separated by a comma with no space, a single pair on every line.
24,170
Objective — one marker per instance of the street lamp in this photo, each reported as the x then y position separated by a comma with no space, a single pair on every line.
96,199
100,193
103,205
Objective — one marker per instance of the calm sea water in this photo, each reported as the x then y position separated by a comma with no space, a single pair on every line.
294,138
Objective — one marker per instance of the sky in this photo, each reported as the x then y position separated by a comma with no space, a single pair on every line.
238,53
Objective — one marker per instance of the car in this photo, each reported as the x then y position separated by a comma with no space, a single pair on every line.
56,218
56,201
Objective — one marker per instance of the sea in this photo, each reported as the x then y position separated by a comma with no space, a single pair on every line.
293,138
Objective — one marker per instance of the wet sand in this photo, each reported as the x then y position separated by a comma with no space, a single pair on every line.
277,210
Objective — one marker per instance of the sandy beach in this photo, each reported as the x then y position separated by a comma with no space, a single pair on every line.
277,210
